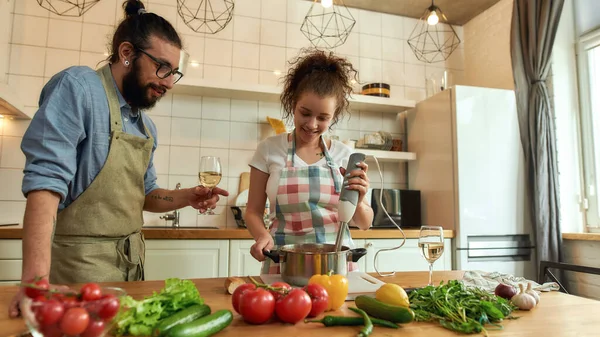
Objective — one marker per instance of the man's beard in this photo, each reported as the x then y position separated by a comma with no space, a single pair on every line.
136,93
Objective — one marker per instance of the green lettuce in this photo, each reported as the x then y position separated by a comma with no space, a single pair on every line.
138,318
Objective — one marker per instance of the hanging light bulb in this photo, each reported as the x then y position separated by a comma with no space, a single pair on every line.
433,18
326,3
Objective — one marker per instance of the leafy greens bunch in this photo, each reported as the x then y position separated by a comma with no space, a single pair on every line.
459,308
138,318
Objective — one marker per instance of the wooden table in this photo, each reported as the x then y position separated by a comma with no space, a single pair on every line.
557,315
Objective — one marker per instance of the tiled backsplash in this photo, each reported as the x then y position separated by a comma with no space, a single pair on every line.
257,42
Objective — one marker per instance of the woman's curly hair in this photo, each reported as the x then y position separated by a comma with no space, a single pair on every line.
322,73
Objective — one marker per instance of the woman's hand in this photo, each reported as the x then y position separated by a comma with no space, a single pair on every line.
202,198
357,180
263,242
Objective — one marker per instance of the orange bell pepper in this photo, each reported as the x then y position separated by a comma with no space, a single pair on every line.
336,286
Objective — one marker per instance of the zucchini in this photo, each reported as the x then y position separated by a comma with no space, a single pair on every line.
388,312
184,316
203,327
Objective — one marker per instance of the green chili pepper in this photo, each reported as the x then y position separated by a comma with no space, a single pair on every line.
368,327
350,321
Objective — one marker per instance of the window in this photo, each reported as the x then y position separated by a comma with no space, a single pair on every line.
589,83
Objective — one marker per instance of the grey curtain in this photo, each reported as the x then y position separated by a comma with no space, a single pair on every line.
534,26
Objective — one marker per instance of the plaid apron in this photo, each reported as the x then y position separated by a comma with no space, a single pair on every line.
306,205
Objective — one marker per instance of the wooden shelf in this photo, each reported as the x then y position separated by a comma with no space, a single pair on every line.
10,104
259,92
388,156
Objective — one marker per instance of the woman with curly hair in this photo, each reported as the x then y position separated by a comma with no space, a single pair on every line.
301,172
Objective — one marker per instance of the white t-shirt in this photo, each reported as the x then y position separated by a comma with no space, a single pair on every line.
271,155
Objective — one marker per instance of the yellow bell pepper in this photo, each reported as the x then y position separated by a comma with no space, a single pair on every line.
336,286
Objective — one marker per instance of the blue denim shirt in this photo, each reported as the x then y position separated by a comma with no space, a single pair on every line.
68,139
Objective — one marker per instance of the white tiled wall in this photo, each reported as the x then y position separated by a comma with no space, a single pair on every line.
261,37
487,48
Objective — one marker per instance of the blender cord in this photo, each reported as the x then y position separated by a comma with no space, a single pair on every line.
392,220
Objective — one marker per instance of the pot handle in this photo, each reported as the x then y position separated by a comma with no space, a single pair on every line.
357,253
273,254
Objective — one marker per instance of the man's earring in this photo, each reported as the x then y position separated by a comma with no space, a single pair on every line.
126,63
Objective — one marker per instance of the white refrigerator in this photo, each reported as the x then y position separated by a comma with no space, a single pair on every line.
470,169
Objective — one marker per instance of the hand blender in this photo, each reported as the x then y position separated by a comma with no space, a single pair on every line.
348,200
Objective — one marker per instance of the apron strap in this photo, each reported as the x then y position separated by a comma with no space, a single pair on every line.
113,100
335,172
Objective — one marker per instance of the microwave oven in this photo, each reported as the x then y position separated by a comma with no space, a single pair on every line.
403,206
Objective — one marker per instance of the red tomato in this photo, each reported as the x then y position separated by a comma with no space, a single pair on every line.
237,294
70,302
49,312
94,329
257,306
51,331
75,321
91,292
36,288
293,307
319,299
283,285
109,307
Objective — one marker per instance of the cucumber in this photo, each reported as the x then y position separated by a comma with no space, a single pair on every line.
203,327
184,316
388,312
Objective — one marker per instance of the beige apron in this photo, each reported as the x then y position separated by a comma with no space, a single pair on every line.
98,237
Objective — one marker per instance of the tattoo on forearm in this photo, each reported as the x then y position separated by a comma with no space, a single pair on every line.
165,198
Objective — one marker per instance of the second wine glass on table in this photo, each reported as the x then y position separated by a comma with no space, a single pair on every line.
209,175
431,245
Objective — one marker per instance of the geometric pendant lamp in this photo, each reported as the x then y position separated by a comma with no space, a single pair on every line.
67,7
432,40
206,16
328,24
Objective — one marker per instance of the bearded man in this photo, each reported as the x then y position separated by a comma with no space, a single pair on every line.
89,172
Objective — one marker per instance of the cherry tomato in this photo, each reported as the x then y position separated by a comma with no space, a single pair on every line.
319,299
91,292
37,288
51,331
49,312
237,294
293,307
283,285
257,306
70,302
109,307
74,321
94,329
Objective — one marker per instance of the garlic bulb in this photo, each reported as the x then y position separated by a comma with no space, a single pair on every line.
533,293
522,300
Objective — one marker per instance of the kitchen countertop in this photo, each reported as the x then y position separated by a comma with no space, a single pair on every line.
226,234
557,314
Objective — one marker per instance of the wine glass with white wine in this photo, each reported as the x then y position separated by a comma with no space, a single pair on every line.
431,245
209,174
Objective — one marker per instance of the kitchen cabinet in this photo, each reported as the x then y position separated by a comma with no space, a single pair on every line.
11,261
186,259
203,258
241,263
406,258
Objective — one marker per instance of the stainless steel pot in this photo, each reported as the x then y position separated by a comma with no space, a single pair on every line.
299,262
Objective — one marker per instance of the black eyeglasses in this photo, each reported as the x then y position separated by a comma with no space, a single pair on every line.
164,70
